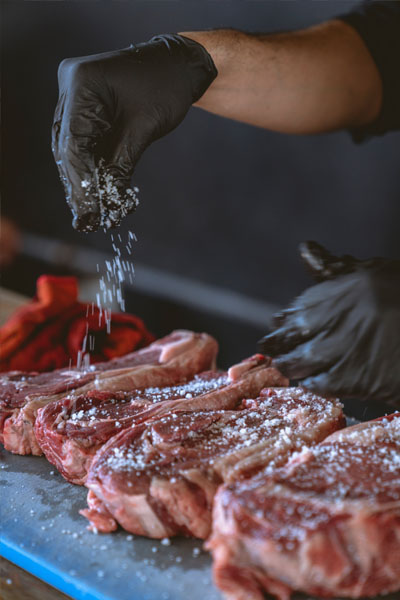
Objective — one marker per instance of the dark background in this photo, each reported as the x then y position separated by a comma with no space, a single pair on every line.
221,202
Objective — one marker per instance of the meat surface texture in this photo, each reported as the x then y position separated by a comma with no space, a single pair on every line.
180,354
159,479
71,430
327,523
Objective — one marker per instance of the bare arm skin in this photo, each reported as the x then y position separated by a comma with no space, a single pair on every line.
310,81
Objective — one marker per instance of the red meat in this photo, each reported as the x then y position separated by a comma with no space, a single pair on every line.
159,479
71,430
178,355
327,523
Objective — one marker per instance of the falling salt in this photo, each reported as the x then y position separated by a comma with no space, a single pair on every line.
111,278
116,272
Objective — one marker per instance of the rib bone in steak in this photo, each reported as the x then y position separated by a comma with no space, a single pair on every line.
159,479
177,356
327,523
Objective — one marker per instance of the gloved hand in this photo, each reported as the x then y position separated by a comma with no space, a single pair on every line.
342,336
111,107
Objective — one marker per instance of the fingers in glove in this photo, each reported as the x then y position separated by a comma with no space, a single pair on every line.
315,257
76,166
282,340
320,309
302,309
344,378
292,329
321,384
117,196
325,384
350,384
55,143
79,123
279,319
309,358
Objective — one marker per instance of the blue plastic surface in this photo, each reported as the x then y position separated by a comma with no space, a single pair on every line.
42,532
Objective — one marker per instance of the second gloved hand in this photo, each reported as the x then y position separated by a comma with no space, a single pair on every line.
342,336
111,107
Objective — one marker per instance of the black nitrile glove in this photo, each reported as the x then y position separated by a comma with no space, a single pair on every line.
342,336
111,107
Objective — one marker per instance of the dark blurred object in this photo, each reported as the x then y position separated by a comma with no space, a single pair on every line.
342,335
10,241
54,329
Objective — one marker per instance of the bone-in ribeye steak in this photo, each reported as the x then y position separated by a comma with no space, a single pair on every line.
159,479
173,358
71,430
327,523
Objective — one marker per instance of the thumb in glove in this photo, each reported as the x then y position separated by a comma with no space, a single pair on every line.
324,265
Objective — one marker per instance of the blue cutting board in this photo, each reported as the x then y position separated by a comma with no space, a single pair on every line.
42,532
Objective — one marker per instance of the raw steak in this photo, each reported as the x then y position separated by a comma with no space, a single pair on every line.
178,355
327,523
159,479
71,430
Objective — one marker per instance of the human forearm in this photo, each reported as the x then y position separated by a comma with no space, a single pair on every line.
318,79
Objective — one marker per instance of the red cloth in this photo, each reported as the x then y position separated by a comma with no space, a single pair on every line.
48,332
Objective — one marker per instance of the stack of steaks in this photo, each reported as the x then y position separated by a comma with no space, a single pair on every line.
168,445
70,431
327,523
159,478
168,360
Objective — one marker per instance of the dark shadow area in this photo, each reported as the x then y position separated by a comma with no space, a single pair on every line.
221,202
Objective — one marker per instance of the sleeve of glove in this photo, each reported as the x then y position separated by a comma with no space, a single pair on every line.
378,24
